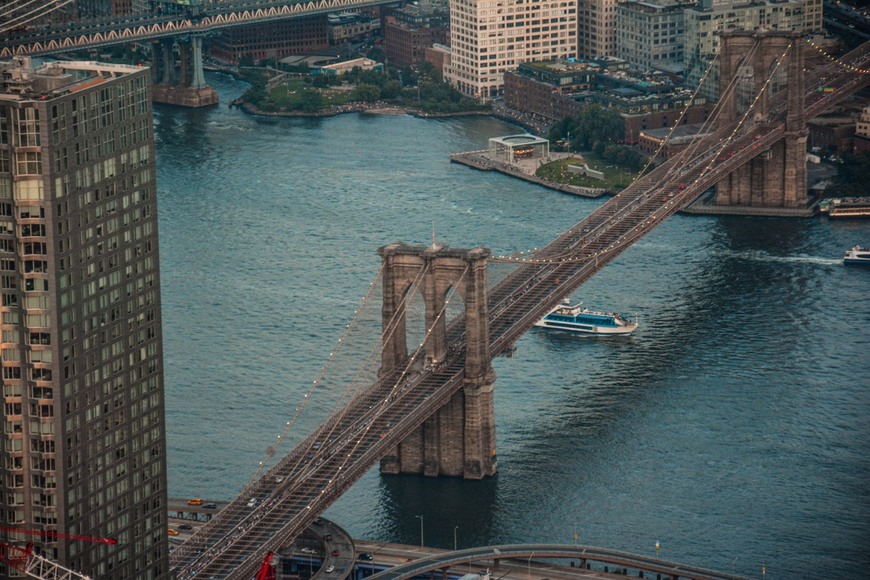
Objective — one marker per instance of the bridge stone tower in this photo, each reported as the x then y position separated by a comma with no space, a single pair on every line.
188,87
777,178
459,439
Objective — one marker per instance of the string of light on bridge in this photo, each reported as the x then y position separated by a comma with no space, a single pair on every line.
270,451
850,67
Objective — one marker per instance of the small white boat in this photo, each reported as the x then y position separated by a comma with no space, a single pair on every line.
575,318
857,255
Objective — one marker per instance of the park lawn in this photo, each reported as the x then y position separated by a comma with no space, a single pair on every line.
615,178
290,95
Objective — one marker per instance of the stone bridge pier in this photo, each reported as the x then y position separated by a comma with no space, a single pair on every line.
183,84
459,439
777,177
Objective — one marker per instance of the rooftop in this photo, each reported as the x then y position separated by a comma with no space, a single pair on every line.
20,79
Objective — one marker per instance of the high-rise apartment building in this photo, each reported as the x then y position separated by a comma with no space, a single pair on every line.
84,447
596,28
489,37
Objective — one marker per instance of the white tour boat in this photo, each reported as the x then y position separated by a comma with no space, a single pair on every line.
575,318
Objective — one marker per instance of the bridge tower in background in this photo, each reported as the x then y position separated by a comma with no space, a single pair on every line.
186,88
459,439
778,177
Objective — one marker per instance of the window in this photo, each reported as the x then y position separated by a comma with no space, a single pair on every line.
27,127
28,163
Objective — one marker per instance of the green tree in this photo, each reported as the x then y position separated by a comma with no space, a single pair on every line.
312,100
367,93
391,89
321,80
594,123
426,71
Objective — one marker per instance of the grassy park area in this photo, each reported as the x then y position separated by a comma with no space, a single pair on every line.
615,178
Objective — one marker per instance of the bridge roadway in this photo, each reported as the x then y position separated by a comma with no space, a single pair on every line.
277,507
37,40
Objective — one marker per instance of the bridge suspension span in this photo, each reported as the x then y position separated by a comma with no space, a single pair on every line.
373,411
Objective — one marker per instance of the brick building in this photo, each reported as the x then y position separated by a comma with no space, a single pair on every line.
272,40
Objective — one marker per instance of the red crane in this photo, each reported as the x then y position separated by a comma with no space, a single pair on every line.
27,561
267,567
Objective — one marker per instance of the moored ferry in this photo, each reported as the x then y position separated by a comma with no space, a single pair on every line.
576,318
857,255
849,207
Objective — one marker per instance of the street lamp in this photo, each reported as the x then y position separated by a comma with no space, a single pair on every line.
454,537
530,565
421,530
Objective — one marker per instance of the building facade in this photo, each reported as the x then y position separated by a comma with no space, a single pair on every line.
551,91
489,37
409,32
650,35
596,28
348,26
84,446
272,40
710,17
862,132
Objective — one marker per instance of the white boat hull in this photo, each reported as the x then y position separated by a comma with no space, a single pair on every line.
588,328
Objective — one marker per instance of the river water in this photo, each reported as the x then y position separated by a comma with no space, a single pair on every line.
732,428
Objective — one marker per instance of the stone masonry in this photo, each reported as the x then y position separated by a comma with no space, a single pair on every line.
459,439
777,177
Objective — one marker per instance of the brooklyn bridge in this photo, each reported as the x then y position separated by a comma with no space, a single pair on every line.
429,409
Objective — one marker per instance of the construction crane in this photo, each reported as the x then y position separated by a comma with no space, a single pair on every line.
267,567
27,561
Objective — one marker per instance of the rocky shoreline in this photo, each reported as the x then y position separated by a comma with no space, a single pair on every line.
383,108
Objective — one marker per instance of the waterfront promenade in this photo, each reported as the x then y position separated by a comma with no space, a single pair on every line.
524,169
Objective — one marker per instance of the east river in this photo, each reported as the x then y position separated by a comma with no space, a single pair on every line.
733,428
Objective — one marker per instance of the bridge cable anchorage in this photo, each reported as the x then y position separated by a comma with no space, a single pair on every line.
35,14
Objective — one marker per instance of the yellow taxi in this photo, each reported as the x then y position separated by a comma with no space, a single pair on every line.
172,532
194,501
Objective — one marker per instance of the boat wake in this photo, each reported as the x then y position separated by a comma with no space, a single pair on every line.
762,257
